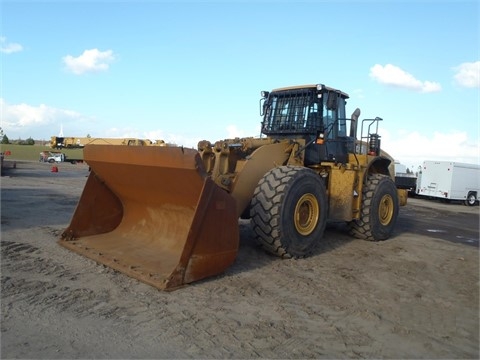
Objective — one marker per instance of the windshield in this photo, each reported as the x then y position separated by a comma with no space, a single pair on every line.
292,111
334,120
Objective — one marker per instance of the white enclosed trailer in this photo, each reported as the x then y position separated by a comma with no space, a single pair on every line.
450,180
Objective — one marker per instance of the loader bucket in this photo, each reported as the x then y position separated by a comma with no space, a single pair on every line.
152,213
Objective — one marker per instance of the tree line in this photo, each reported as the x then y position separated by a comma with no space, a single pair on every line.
6,140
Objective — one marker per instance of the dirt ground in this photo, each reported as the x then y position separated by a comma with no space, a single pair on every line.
413,296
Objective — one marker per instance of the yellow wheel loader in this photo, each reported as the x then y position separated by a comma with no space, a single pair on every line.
169,215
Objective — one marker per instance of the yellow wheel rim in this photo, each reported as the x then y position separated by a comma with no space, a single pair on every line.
307,213
385,210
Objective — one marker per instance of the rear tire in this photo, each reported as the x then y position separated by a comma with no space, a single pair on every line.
379,209
289,211
471,199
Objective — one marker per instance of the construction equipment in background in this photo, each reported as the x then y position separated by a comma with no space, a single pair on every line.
60,142
168,216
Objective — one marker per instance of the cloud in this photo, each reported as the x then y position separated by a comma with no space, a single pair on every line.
468,74
42,121
92,60
234,132
412,148
9,48
24,115
395,76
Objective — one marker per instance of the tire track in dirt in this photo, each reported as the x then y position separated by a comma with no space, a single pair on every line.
37,279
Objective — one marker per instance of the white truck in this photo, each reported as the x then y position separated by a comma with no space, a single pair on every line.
449,180
52,157
57,157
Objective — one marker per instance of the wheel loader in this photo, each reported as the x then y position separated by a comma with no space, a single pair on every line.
169,216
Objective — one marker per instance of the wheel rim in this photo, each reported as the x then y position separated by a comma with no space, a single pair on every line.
307,213
385,210
471,199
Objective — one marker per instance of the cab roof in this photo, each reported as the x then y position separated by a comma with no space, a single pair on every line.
314,86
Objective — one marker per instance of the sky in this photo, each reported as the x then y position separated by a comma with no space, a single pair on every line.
184,71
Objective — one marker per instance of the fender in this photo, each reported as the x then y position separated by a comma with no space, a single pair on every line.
254,167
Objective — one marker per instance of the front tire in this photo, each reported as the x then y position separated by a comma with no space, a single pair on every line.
379,209
289,211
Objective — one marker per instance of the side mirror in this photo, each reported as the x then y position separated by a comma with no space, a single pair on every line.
262,106
332,101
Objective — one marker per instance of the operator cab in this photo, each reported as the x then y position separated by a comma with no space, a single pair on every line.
315,113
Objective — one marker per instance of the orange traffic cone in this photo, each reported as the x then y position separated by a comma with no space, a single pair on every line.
54,169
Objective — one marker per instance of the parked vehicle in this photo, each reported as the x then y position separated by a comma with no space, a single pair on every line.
405,179
57,157
450,180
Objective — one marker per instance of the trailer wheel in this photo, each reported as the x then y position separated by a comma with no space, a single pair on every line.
471,199
379,209
289,211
